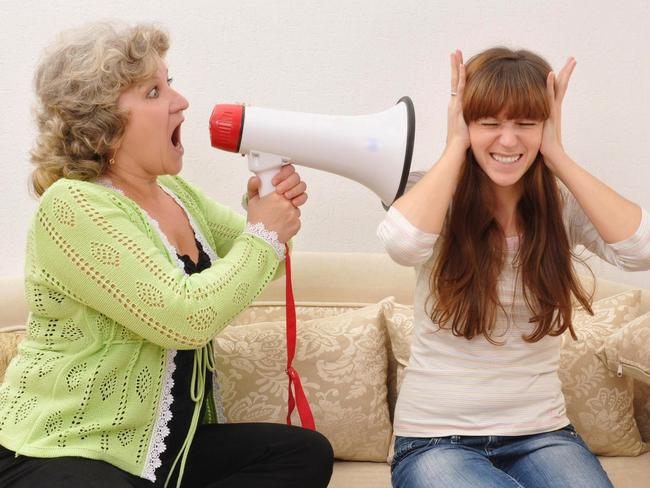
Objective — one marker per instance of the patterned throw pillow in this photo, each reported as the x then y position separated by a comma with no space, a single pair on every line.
642,409
399,325
627,351
342,362
8,346
600,404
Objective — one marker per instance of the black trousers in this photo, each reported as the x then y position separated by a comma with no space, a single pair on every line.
222,456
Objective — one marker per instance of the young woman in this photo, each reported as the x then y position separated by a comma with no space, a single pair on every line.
490,229
130,273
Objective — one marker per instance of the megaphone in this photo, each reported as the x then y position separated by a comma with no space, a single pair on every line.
374,150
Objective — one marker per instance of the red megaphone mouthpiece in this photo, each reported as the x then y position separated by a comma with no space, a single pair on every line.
226,126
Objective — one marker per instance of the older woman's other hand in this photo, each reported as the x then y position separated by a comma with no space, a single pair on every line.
288,183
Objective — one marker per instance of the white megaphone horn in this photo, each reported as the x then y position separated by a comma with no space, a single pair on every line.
374,150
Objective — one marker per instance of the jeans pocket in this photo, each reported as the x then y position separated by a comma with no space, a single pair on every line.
406,445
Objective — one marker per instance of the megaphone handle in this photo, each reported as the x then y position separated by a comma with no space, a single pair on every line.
265,166
265,177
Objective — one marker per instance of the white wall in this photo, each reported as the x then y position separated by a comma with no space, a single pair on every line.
347,57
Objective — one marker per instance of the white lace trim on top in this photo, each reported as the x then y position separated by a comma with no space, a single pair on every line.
270,236
217,396
216,388
195,228
170,249
161,430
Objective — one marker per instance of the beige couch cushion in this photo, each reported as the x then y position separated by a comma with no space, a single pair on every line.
642,409
599,404
627,351
399,324
8,346
360,475
342,362
627,472
624,472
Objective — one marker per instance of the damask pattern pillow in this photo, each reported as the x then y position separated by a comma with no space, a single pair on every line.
8,346
600,404
342,362
399,325
642,409
627,351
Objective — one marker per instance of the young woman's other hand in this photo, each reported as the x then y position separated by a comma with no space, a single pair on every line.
457,132
556,87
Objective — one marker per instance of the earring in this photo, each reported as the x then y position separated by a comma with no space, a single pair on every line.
111,161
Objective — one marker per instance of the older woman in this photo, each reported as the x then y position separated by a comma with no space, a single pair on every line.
130,273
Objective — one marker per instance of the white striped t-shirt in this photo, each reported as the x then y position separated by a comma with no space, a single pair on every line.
455,386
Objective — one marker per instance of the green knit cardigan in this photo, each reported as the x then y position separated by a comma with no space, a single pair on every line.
109,307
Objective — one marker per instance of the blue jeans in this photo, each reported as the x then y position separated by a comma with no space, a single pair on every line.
558,459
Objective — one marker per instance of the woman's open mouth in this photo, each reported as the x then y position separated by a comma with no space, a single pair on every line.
176,138
506,158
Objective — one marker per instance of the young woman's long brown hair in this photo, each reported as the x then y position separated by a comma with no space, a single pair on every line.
511,84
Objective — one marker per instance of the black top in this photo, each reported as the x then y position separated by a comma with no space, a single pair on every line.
182,407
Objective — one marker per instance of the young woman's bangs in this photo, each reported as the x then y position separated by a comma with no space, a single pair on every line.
513,92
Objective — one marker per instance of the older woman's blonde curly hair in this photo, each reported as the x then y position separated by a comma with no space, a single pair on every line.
77,84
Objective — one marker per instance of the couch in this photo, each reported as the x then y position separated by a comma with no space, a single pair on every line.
359,360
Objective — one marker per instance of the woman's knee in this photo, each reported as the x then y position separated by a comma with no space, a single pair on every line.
415,467
316,456
557,459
